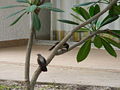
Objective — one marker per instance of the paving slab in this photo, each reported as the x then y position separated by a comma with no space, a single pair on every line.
64,75
98,69
97,58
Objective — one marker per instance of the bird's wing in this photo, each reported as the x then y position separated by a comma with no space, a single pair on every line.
38,60
66,46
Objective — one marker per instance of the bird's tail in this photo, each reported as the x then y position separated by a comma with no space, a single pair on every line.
44,69
51,48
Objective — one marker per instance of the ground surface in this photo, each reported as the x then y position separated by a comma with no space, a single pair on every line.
98,69
18,85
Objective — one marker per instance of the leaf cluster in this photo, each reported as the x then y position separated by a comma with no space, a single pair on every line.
81,14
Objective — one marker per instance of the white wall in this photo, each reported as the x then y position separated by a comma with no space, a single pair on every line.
44,33
19,31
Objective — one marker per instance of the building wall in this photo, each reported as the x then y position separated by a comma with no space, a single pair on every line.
44,33
22,29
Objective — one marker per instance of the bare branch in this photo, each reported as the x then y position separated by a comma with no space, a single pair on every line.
82,41
43,1
91,35
113,33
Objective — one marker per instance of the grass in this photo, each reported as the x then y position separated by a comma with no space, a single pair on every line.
5,87
54,86
15,87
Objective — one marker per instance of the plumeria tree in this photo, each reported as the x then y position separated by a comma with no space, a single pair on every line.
98,39
90,23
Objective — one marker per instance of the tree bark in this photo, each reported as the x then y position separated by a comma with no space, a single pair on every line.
28,53
34,78
27,61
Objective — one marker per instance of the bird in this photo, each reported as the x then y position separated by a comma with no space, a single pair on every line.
42,62
64,46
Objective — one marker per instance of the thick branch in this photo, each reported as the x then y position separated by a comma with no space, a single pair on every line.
27,61
34,78
28,54
49,59
33,81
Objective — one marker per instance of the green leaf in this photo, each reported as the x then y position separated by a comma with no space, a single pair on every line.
106,1
17,19
49,7
98,24
97,41
36,21
116,31
114,43
12,6
13,14
78,18
23,1
46,5
97,9
93,10
115,10
31,8
108,20
108,47
83,30
55,9
84,51
81,11
84,4
36,2
69,22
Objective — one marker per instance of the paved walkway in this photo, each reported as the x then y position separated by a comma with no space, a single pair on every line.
98,69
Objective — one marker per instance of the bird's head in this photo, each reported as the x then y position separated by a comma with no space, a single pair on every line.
38,54
66,45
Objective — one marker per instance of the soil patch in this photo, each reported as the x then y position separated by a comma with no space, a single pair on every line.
19,85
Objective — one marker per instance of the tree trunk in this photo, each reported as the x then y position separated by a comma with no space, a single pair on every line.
27,61
28,53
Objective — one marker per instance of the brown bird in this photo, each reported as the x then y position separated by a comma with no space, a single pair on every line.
42,62
64,46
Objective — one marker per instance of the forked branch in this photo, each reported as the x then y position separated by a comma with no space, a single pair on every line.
53,53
